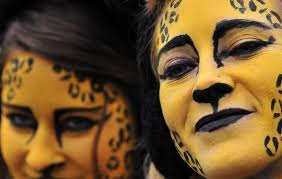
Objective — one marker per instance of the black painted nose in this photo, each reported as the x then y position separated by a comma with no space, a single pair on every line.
212,94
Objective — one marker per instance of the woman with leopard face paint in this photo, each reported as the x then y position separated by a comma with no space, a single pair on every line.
68,93
213,85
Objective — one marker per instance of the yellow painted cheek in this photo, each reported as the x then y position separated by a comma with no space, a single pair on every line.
79,148
175,100
14,147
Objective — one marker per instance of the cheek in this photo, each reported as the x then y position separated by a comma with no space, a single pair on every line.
115,143
175,100
79,148
13,145
259,76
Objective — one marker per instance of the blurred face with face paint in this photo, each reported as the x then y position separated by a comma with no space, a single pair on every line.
62,118
218,63
61,124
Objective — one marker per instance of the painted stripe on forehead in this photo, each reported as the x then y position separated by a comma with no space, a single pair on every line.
175,42
18,107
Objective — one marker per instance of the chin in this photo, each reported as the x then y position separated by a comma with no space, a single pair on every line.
235,166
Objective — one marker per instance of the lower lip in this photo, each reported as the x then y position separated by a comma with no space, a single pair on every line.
215,125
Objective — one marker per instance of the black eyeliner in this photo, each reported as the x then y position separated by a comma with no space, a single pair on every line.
60,112
227,25
17,107
257,45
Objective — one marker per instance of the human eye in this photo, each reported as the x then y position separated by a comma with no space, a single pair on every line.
22,120
178,68
77,123
249,47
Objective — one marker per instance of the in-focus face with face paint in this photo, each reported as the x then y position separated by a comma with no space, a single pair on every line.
219,66
57,123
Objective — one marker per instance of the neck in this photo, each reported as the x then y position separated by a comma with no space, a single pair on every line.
273,171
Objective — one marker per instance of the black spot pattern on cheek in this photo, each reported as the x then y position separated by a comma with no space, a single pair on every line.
128,159
119,119
186,155
279,127
271,143
177,139
267,144
113,163
188,158
13,74
123,138
278,81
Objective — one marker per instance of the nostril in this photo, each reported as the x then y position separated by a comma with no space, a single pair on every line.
48,170
212,94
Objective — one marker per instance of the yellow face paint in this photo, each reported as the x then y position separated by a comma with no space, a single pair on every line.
57,123
219,65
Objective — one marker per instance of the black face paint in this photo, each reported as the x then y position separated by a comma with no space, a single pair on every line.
59,128
279,81
13,75
267,144
225,26
113,163
74,89
25,118
271,16
212,94
188,158
171,16
123,137
276,109
178,41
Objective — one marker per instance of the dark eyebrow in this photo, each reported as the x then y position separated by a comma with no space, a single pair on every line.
59,112
17,107
227,25
177,41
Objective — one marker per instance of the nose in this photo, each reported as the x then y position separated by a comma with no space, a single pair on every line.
212,94
44,153
211,87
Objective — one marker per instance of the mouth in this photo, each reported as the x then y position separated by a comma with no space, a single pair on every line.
220,119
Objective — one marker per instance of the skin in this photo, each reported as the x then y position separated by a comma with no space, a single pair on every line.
241,64
50,131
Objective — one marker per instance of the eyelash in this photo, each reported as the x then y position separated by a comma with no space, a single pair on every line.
248,48
178,68
77,123
19,120
22,121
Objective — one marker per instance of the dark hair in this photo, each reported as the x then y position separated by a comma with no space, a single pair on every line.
155,132
81,36
53,29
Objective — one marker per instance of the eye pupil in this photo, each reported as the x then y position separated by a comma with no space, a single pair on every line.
179,69
22,121
77,124
248,48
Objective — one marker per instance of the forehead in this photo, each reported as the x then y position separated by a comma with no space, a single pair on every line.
198,18
43,86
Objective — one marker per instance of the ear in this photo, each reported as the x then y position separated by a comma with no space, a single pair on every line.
151,4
